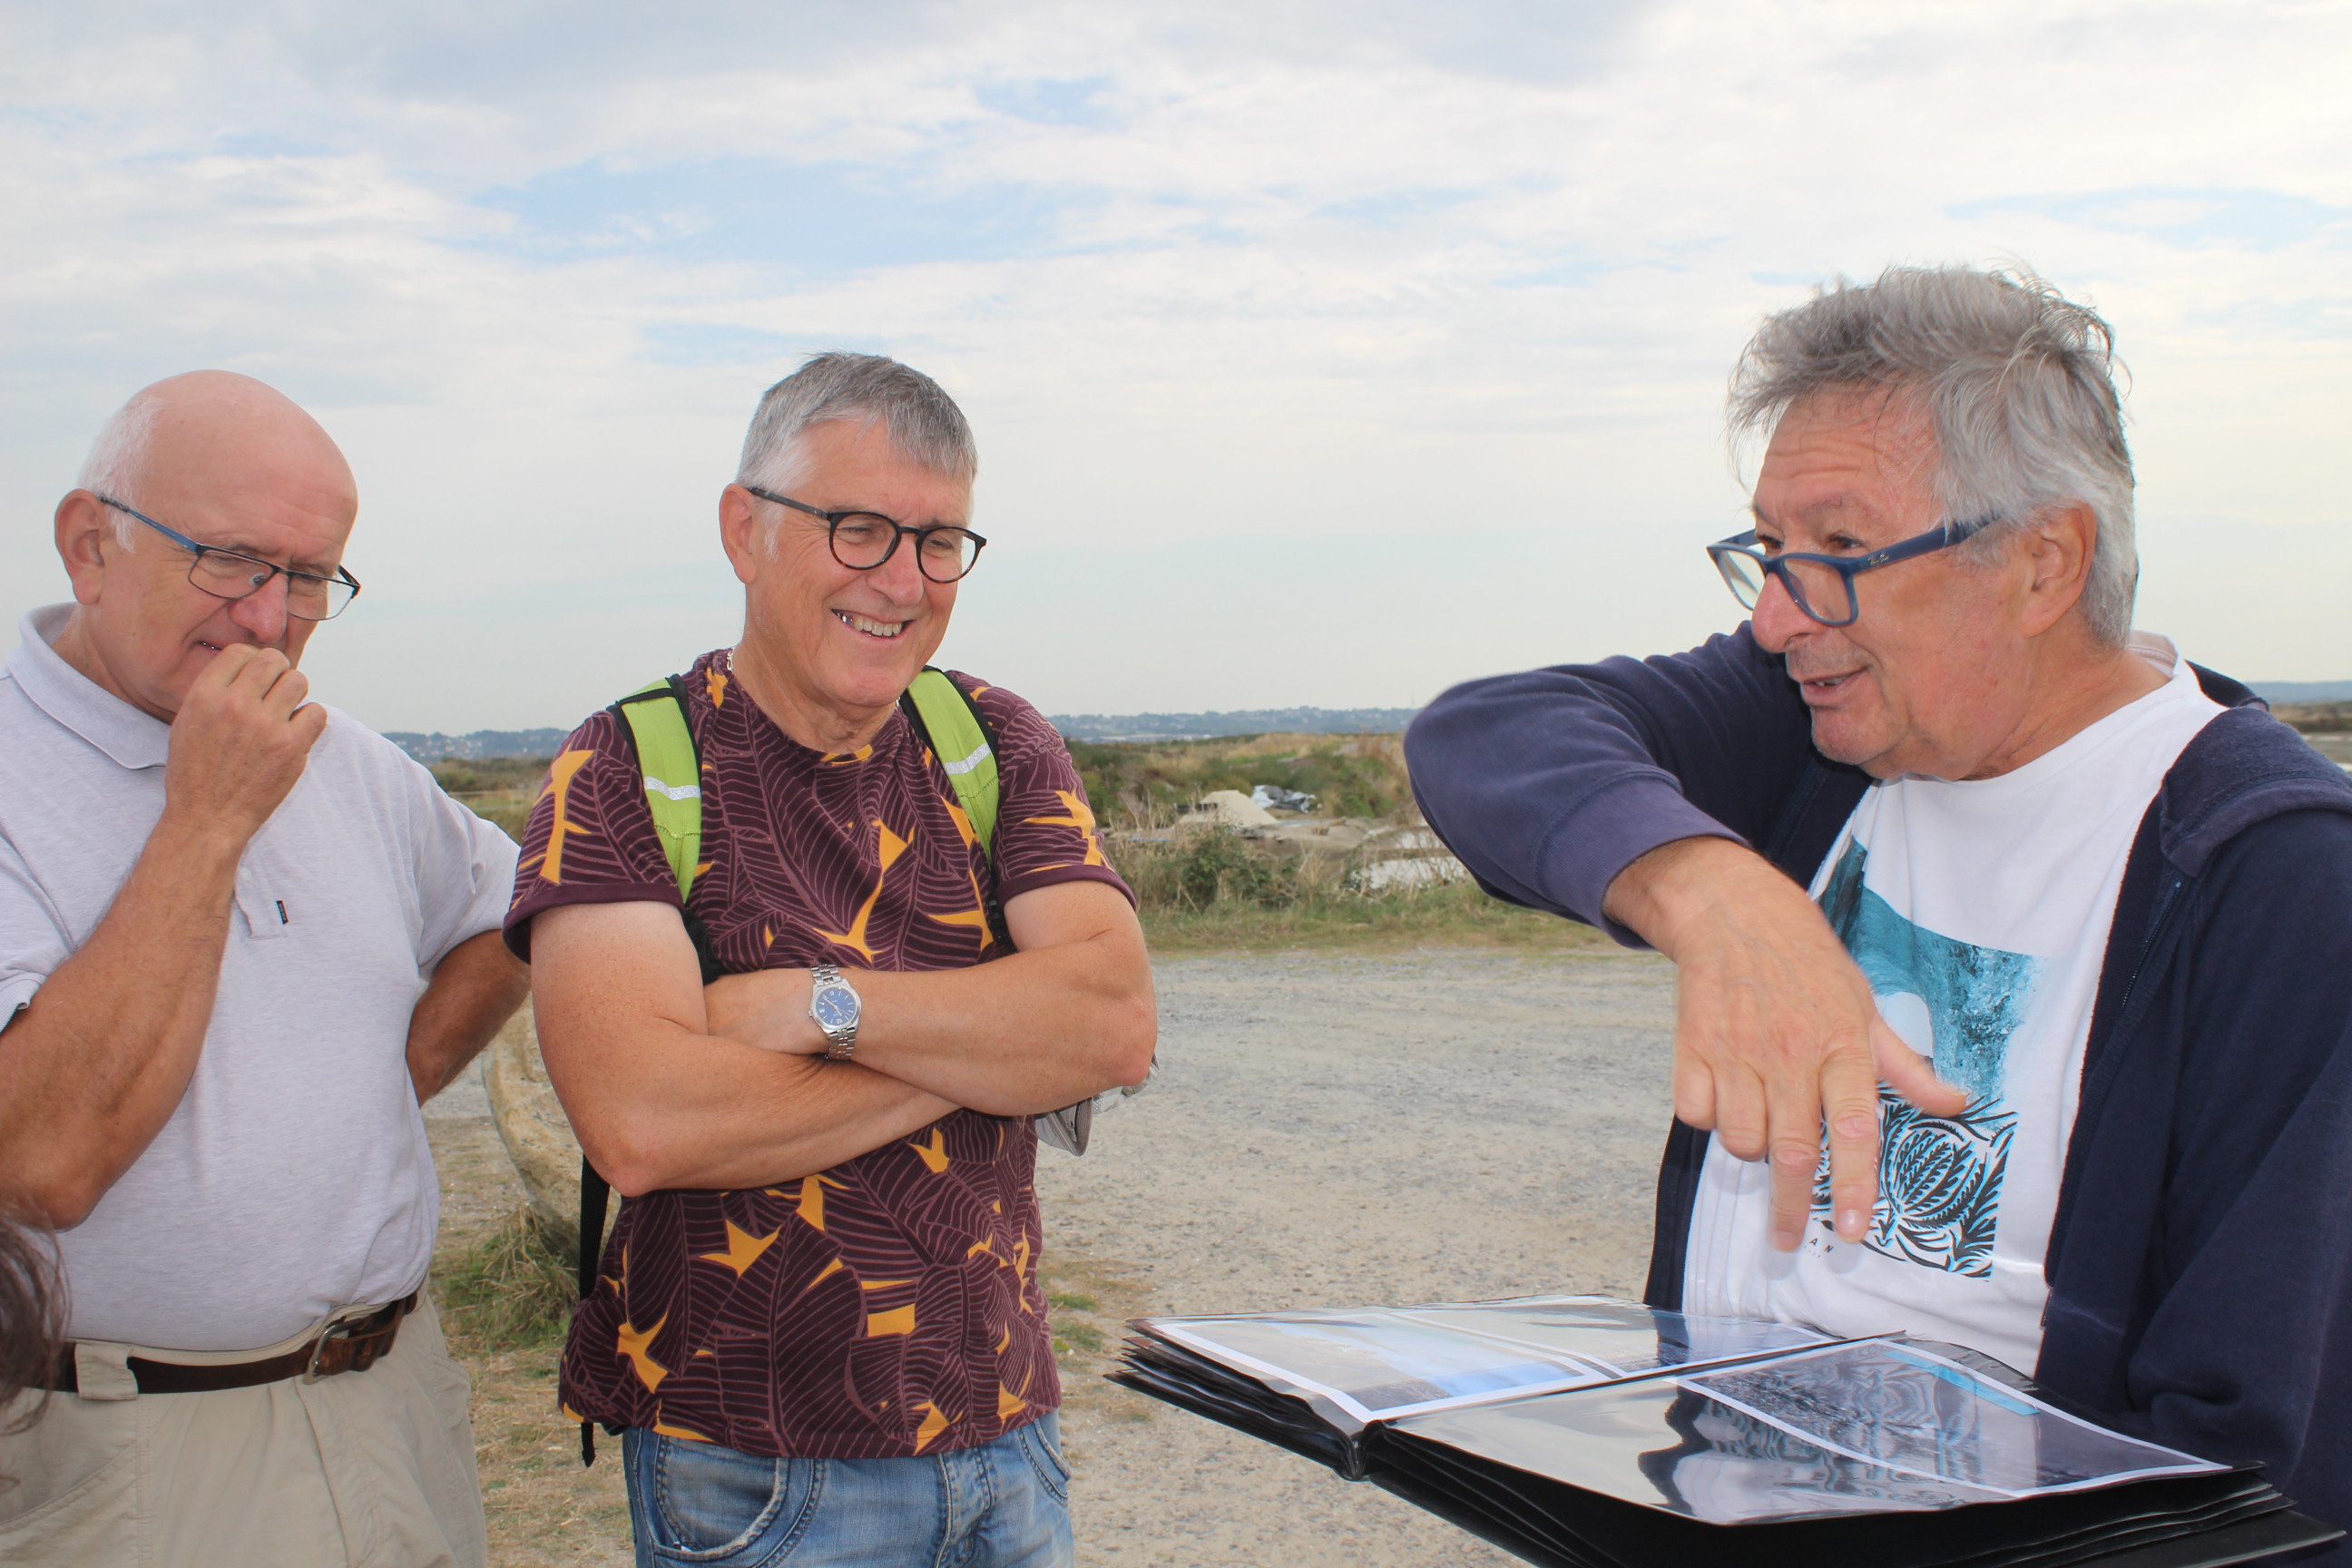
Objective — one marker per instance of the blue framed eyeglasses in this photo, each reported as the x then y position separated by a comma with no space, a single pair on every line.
1822,586
233,575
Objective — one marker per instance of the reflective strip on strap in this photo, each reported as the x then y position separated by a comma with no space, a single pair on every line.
969,763
675,792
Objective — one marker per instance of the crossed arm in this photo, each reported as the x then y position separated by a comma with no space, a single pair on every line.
671,1084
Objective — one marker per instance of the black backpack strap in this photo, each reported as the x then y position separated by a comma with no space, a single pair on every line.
594,1193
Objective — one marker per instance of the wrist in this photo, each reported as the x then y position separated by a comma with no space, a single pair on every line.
835,1010
1666,893
193,841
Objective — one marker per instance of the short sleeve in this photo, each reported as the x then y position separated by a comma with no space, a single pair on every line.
464,866
32,936
1045,830
591,838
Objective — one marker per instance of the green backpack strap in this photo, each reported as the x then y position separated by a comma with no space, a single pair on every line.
949,722
672,767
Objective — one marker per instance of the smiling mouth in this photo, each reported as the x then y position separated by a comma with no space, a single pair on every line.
884,630
1821,686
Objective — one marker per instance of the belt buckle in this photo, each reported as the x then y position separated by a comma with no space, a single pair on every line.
338,1330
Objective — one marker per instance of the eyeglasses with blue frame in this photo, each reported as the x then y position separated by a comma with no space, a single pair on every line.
1822,586
233,575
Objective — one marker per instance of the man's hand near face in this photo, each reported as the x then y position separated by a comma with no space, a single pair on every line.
1776,1032
239,740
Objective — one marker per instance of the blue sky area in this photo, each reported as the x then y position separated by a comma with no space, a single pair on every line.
1319,354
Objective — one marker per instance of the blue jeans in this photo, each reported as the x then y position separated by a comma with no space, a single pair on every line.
1003,1504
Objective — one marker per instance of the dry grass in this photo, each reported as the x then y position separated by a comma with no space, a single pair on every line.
1453,915
510,1288
545,1511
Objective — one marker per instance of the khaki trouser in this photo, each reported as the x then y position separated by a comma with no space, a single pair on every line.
368,1469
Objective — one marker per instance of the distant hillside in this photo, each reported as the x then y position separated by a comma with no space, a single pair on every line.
2301,690
482,745
1243,721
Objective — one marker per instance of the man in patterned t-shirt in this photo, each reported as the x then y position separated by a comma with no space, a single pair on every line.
818,1317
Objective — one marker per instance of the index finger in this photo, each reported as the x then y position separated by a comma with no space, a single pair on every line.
1849,1107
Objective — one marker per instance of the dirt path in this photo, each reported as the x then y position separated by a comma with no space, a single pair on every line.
1326,1130
1331,1130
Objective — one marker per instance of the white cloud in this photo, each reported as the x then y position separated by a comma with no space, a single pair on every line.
1313,358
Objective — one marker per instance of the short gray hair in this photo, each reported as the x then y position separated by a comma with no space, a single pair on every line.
925,425
116,457
2017,382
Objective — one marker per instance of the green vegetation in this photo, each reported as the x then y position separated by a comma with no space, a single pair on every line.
501,789
2318,718
511,1290
1350,775
1450,915
1208,889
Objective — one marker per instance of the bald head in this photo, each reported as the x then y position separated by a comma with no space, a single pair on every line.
207,423
227,462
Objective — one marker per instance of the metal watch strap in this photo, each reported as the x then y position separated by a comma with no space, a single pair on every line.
840,1041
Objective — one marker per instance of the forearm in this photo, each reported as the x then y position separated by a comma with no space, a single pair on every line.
1692,892
475,990
91,1070
1548,783
1030,1033
670,1108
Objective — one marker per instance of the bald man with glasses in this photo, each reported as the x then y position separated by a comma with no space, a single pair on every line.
242,940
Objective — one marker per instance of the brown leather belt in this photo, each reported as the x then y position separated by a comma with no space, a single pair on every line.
352,1346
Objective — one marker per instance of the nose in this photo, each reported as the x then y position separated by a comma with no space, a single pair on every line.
900,579
263,611
1776,620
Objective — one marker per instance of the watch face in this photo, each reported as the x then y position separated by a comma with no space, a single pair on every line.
836,1008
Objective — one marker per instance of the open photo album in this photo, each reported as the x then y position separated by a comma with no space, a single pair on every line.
1592,1433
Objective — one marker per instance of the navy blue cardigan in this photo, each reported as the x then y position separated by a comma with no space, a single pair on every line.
2201,1257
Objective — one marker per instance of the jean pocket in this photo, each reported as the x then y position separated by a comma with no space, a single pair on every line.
1041,1441
710,1504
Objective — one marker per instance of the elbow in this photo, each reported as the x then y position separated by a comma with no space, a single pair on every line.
631,1159
55,1200
1133,1040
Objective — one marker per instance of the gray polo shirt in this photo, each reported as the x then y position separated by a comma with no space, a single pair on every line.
294,1178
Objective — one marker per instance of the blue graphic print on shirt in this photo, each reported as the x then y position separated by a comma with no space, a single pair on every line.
1939,1177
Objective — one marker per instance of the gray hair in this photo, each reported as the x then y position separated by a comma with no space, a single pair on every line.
925,425
116,457
2016,381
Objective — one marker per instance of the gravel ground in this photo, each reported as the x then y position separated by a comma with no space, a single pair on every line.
1335,1131
1324,1130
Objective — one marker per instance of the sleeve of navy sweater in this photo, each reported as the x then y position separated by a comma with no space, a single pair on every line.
2247,1354
1549,784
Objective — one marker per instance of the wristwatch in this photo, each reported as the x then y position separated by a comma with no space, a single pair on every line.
834,1006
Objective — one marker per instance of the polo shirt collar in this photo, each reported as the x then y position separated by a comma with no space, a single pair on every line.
134,740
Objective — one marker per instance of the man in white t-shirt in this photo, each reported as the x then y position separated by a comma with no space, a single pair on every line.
242,940
1937,817
1977,911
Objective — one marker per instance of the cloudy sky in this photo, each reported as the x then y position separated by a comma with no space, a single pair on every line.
1320,353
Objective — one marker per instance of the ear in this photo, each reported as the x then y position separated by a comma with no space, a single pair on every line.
740,533
85,532
2057,548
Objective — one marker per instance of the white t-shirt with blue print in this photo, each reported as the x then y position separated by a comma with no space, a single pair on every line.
1978,910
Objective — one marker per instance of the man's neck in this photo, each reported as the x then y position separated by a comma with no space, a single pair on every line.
819,726
2083,692
81,653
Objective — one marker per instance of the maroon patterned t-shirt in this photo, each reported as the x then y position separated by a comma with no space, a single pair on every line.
889,1306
